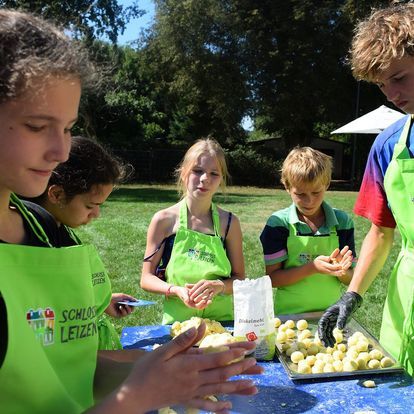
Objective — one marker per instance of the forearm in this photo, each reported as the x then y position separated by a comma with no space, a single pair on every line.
109,374
374,252
228,283
122,355
347,277
152,283
286,277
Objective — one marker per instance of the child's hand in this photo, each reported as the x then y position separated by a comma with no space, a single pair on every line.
203,292
324,265
343,257
174,374
184,294
116,310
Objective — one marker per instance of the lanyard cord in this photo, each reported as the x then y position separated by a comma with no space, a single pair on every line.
30,219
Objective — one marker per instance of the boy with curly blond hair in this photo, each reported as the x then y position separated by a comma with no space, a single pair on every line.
383,53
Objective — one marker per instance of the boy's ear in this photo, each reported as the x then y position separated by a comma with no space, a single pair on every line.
55,194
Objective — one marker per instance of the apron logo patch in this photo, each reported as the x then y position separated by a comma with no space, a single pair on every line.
98,278
199,255
42,321
306,257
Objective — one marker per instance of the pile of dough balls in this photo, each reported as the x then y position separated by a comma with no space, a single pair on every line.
308,355
212,327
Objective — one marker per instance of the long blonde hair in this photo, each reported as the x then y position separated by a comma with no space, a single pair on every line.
202,146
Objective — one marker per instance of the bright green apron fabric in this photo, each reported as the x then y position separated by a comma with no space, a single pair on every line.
397,329
108,337
196,256
313,293
50,361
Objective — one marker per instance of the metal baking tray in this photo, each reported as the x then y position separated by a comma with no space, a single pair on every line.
353,326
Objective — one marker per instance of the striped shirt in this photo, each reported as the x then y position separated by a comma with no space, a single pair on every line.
276,231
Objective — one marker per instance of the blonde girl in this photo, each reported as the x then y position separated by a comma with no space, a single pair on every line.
194,248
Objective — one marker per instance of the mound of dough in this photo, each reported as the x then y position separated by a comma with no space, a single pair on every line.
212,327
217,339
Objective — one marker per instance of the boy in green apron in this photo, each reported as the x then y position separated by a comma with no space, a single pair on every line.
383,53
75,192
48,309
194,249
308,246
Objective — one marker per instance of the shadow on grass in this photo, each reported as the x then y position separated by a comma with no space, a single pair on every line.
157,195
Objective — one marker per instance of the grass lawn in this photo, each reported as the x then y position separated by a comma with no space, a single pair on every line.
120,235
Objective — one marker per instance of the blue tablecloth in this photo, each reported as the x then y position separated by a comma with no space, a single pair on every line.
394,393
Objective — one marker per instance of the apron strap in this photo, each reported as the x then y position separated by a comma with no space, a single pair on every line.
183,214
216,219
183,217
30,219
73,235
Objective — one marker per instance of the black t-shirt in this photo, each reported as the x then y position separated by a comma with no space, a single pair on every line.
55,236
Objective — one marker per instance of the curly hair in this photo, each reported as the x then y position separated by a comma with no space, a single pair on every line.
89,164
31,49
306,165
387,34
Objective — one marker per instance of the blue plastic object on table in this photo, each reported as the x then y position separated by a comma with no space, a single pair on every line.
394,393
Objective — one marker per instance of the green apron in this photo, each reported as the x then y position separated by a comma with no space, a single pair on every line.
397,329
50,361
313,293
108,337
196,256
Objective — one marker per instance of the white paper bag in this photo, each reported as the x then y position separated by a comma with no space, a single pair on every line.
254,314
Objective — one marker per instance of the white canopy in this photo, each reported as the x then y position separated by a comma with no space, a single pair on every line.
371,123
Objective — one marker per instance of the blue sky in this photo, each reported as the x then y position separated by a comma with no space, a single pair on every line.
134,26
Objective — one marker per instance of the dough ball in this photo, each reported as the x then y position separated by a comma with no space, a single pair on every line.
328,368
386,362
310,359
290,333
349,365
365,356
316,369
338,366
369,384
277,322
362,363
376,354
341,347
306,333
362,346
283,327
281,337
374,364
290,324
337,333
296,357
301,324
352,340
338,355
304,368
313,349
319,363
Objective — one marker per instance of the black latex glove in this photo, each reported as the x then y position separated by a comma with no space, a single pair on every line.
337,315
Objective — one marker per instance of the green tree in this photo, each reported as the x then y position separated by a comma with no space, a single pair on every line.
85,18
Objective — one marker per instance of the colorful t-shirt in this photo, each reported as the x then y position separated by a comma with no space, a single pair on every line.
276,231
372,201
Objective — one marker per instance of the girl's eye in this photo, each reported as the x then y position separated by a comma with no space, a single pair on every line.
67,130
35,128
197,171
215,174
